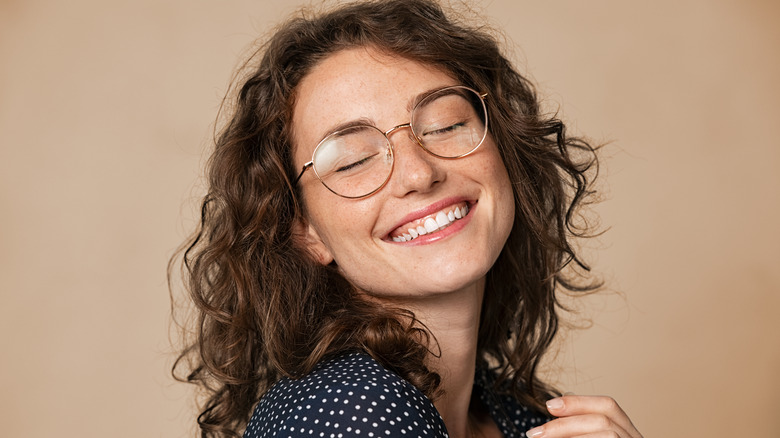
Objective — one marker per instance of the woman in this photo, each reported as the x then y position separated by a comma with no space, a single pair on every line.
387,223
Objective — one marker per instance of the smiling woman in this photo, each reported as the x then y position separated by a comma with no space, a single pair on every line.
387,225
358,233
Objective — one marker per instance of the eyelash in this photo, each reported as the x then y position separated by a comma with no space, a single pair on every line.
355,164
446,129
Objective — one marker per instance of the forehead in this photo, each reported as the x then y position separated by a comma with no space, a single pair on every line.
359,84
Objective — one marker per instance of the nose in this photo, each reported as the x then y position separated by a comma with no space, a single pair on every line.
414,169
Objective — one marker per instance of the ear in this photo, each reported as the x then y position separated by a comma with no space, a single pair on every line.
311,241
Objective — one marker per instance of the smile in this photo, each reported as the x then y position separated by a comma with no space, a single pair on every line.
430,224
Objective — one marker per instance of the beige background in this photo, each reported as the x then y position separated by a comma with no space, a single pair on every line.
106,108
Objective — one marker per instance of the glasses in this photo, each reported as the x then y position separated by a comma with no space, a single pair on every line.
357,161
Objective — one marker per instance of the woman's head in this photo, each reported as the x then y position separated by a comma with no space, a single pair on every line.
362,88
415,32
271,302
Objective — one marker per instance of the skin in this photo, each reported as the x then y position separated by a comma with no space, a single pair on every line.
440,278
591,416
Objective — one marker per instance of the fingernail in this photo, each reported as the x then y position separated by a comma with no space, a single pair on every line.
536,432
554,404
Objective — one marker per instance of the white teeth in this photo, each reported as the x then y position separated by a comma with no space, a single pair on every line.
441,220
431,225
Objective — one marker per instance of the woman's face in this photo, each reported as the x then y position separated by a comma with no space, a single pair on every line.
365,85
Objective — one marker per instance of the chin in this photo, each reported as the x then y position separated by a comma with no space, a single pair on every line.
454,280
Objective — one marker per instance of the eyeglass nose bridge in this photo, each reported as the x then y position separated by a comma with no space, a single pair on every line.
413,136
395,128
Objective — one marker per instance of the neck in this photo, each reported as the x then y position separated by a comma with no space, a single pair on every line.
453,320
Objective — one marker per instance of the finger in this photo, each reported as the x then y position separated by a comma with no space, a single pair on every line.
572,405
579,426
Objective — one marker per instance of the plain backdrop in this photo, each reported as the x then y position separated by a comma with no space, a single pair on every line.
107,110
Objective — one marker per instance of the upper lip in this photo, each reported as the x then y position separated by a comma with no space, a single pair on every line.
428,210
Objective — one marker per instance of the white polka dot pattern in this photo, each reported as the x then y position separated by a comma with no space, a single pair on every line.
354,396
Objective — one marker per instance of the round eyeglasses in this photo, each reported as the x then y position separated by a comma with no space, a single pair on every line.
357,161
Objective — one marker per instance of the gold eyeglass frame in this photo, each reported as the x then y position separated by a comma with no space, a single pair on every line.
310,164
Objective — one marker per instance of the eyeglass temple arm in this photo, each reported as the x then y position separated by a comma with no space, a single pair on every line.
303,170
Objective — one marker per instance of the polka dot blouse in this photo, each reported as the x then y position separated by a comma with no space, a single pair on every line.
354,396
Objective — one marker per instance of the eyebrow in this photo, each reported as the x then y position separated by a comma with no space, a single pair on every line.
418,98
413,102
346,125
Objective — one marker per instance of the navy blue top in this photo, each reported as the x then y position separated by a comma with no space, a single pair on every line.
352,395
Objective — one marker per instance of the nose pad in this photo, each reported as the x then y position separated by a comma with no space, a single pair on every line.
414,169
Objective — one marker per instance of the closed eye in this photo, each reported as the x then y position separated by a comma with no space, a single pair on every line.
355,164
445,129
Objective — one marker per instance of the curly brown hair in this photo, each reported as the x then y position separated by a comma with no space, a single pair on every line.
266,308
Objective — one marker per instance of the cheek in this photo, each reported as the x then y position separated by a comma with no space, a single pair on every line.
505,209
507,192
342,224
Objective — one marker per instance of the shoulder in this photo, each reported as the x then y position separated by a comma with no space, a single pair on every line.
349,395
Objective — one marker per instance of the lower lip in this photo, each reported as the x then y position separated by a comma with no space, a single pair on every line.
451,229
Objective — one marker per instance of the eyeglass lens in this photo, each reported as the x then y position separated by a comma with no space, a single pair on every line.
357,161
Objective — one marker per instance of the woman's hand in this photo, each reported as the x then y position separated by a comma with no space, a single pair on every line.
589,416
